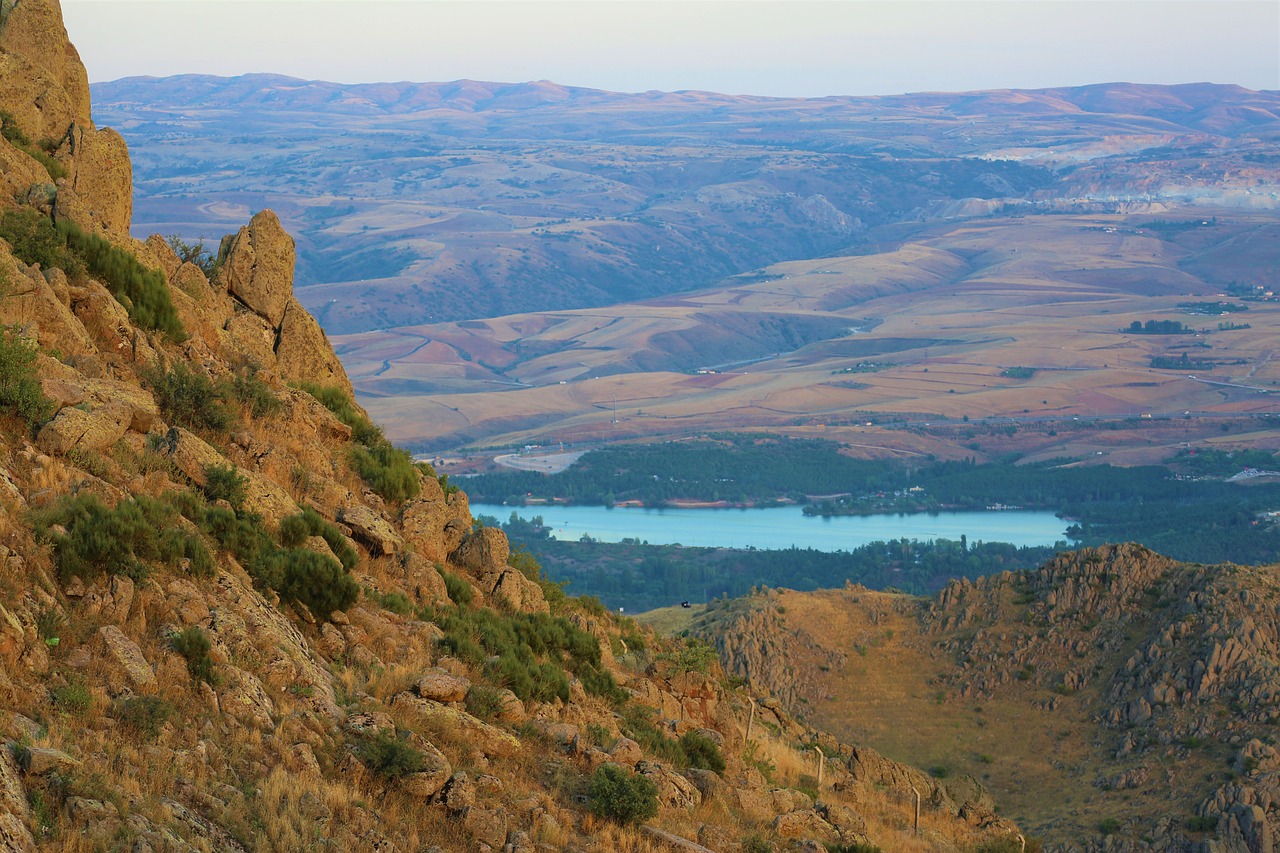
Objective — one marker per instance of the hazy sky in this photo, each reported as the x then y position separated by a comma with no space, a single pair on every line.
777,47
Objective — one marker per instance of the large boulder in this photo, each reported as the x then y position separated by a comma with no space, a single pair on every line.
371,529
303,352
258,266
43,83
101,177
483,552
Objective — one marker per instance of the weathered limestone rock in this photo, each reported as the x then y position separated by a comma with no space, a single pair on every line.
45,759
483,551
303,352
82,429
674,791
434,523
35,302
435,772
439,686
252,335
520,593
420,576
371,529
258,268
241,696
804,824
41,75
14,812
488,739
127,655
101,175
626,752
192,455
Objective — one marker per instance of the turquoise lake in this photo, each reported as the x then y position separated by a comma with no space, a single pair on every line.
783,527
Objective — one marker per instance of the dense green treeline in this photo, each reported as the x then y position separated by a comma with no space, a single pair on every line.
1184,510
642,577
734,468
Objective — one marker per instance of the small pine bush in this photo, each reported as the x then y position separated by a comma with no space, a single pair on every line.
189,398
388,756
193,645
225,483
618,795
702,752
126,539
317,581
144,715
34,239
144,292
20,392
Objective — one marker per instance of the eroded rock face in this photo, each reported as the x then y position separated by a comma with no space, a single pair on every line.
41,75
258,269
303,352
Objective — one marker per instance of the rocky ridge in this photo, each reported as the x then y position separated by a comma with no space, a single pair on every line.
232,617
1162,676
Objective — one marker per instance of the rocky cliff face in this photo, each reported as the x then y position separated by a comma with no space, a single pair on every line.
233,617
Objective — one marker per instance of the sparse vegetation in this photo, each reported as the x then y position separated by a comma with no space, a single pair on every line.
20,392
622,796
389,756
189,398
143,715
192,643
387,470
128,539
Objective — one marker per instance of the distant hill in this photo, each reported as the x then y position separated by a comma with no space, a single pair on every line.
425,202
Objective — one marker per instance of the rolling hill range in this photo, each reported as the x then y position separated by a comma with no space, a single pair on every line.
1026,318
510,264
452,201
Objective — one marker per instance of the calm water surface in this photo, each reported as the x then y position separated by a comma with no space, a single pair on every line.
782,527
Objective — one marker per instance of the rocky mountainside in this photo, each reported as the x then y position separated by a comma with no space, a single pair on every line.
1113,699
234,617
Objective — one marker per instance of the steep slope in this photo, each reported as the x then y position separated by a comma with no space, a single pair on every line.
234,617
1113,697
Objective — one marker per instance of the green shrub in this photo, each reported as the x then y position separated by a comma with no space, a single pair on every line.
484,703
692,655
252,393
460,592
317,581
396,602
1108,826
387,470
144,715
73,699
193,645
1200,823
194,253
225,483
9,127
295,529
34,239
865,847
144,292
125,540
622,796
337,401
189,398
702,752
20,392
388,756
